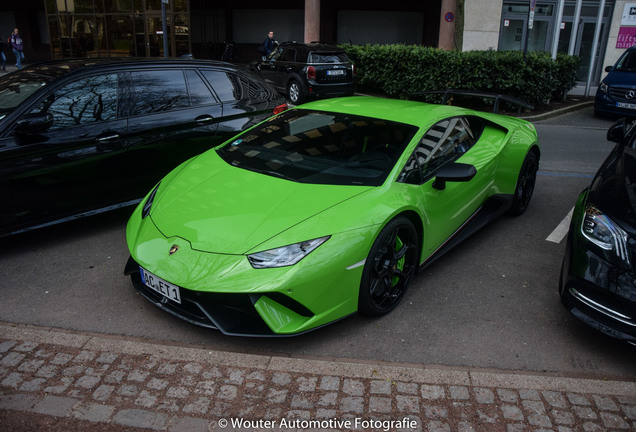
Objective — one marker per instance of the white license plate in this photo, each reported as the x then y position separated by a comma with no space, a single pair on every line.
159,285
625,105
336,72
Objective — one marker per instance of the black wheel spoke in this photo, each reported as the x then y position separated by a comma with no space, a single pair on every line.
391,264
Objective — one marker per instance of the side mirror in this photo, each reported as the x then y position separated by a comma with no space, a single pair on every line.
453,172
616,133
33,124
609,68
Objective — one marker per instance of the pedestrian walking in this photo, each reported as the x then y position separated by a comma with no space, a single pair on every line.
268,44
17,45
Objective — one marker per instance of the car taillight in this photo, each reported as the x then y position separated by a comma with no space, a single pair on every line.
311,73
280,108
353,70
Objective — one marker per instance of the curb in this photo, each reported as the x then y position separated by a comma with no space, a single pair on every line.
429,374
55,379
558,112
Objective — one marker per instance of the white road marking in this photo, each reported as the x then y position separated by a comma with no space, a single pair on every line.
561,230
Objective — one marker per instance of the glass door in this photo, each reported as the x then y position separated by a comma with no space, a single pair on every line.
584,43
154,35
512,35
515,34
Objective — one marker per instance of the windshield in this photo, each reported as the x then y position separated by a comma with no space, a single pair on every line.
627,63
321,147
15,88
336,57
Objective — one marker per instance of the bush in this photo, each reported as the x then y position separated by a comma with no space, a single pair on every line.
404,70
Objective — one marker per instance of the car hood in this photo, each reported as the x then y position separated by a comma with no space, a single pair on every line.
224,209
614,187
620,79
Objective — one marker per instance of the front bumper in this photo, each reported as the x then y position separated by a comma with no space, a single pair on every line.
598,292
224,292
235,314
605,104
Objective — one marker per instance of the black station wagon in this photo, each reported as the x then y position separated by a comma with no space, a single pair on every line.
79,137
303,71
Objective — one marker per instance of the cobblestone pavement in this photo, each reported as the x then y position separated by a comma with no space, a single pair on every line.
78,381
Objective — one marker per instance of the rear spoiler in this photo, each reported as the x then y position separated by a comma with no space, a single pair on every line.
448,94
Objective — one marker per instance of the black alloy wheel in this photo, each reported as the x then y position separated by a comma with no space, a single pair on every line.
525,184
390,266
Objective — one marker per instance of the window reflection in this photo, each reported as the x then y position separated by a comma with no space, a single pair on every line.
157,91
85,101
229,86
199,92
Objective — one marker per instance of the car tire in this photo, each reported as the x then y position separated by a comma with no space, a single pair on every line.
389,268
525,184
295,92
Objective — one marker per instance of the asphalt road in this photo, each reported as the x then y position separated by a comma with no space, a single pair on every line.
491,303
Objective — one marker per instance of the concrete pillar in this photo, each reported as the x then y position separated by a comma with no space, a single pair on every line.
447,25
312,20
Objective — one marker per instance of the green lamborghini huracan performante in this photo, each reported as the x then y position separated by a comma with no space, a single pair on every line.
323,211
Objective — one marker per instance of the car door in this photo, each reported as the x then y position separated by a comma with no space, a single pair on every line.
173,117
246,101
278,66
62,155
456,139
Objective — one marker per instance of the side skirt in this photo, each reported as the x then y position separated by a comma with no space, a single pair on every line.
494,207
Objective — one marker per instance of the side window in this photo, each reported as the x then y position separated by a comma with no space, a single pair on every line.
445,142
288,55
157,91
85,101
200,94
229,86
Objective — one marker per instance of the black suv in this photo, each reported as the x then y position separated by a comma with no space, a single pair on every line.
84,136
302,71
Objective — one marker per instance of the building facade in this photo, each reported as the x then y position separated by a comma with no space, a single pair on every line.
206,28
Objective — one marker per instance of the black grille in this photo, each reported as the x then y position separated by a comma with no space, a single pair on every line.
231,313
623,94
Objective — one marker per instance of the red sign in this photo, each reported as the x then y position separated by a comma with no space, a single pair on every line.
626,37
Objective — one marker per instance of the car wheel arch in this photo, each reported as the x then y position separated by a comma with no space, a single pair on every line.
519,205
415,218
400,226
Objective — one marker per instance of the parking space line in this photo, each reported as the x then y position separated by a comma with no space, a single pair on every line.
561,230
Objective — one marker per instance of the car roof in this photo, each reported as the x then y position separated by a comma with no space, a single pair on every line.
58,68
313,46
420,114
398,110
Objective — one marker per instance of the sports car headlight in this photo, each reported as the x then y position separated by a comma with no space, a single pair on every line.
145,211
603,232
286,255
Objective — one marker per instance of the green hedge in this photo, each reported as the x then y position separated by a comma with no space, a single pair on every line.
404,70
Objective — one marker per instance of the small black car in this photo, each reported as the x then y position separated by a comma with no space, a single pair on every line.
598,278
78,137
302,71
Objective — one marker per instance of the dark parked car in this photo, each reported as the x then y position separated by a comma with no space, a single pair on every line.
84,136
616,94
598,278
303,71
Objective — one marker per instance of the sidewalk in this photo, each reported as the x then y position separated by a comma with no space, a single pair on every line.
53,379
